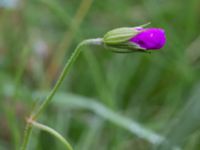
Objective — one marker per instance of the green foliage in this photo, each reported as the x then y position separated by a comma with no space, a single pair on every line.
113,94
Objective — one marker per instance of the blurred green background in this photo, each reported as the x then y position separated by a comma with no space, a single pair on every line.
109,101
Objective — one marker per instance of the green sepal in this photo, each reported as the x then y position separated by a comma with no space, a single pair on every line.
119,35
119,39
126,47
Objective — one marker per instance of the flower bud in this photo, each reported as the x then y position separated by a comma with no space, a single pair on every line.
135,39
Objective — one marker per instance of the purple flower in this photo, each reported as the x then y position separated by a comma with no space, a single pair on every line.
131,39
150,38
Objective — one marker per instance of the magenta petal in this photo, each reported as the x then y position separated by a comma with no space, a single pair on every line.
150,38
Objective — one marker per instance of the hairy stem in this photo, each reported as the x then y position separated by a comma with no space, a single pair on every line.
27,134
48,99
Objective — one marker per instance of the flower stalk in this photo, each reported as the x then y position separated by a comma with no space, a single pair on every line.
34,115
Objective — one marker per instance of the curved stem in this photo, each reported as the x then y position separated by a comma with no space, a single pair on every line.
48,99
53,132
65,71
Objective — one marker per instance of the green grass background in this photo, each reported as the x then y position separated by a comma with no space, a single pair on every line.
106,93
